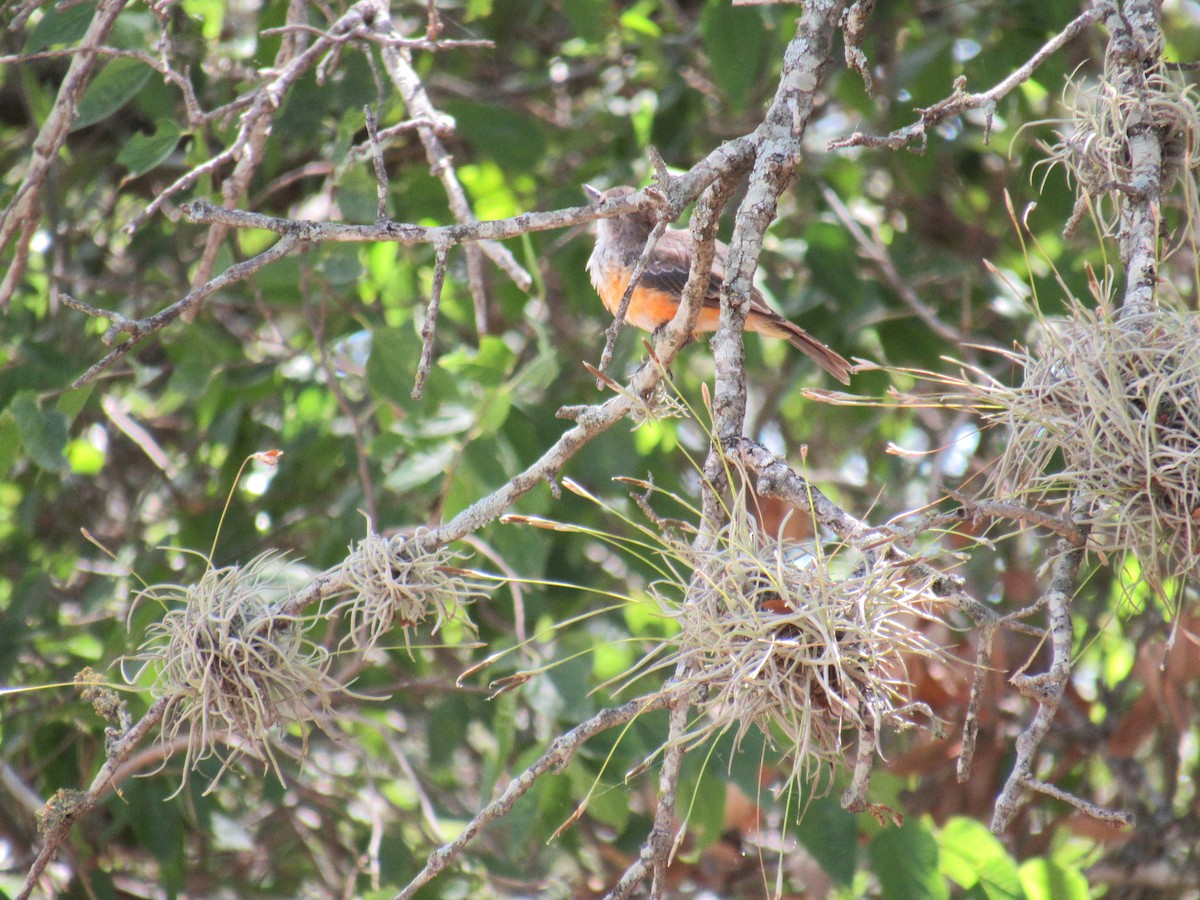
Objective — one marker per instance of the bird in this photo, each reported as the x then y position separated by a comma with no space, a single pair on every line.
620,241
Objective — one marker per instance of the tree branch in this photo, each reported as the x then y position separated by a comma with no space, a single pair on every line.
1135,48
19,221
138,329
398,62
1046,689
777,145
555,759
81,804
960,101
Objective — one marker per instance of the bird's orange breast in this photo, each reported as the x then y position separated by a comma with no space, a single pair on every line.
648,308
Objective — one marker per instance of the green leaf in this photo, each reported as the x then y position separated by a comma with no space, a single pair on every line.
638,23
210,14
447,730
72,402
392,365
43,432
734,40
608,804
157,825
418,468
478,9
116,85
588,18
495,409
1000,880
146,151
503,137
59,27
84,646
504,730
704,803
23,609
340,264
971,854
611,659
1046,880
906,861
193,368
84,457
536,375
358,197
488,364
10,443
830,834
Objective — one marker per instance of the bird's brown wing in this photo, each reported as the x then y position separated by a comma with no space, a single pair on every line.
672,279
668,269
668,272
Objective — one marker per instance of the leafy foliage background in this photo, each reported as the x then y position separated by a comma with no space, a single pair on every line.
573,92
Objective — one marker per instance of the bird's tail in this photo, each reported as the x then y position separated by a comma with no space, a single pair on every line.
825,357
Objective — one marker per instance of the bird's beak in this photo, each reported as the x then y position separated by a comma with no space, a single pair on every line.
593,193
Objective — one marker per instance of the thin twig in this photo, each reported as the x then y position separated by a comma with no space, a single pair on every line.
854,25
854,798
429,326
434,27
874,250
398,62
424,43
139,329
291,62
983,662
18,221
660,843
1008,509
256,121
196,117
960,101
555,759
1117,817
381,176
618,322
1045,689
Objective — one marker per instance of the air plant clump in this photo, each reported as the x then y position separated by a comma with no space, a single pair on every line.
396,581
1094,144
662,403
799,645
1119,399
232,667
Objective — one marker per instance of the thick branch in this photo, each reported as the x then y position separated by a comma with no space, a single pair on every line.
1135,48
777,143
201,212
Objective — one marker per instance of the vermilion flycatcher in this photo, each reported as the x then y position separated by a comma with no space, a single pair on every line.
620,241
